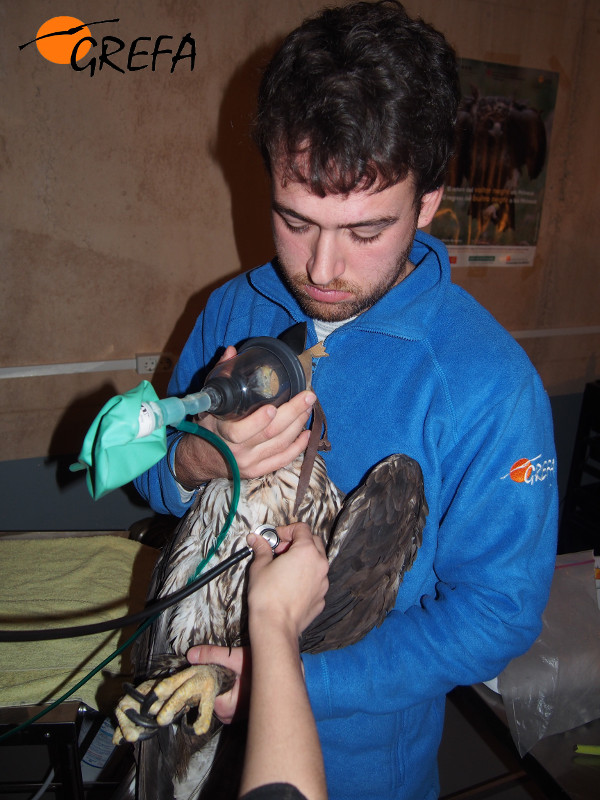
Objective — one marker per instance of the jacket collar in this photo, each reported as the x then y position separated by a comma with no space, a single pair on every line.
405,311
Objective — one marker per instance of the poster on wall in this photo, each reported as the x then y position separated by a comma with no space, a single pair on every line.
492,206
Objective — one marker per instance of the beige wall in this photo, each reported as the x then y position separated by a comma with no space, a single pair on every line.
127,197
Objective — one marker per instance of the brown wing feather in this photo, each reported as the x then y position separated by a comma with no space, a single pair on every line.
374,542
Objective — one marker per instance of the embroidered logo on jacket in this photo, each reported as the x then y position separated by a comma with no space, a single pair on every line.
530,470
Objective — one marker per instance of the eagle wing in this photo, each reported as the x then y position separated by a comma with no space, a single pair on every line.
374,542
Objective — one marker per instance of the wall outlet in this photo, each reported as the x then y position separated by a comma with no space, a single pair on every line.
149,363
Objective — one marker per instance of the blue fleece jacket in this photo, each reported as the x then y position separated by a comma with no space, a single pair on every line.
427,372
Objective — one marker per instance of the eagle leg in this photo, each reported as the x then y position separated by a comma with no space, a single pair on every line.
159,702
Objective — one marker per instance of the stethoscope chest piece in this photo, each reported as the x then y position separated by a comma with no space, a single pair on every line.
269,533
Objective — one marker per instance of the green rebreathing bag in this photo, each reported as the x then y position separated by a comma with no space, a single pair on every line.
112,453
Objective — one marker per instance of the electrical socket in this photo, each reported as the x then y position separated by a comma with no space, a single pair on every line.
148,363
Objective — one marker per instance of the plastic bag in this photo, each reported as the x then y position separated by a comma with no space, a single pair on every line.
555,686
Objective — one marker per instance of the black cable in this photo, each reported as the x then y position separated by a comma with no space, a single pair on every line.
121,622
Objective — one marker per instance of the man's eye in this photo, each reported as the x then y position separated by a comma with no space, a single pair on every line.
296,227
364,238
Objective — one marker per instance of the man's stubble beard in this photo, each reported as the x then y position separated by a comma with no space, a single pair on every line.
337,312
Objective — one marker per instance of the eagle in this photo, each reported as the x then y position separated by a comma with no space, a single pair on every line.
371,536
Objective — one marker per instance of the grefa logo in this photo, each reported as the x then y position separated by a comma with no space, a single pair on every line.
530,470
68,40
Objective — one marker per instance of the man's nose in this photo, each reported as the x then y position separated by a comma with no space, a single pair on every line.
326,262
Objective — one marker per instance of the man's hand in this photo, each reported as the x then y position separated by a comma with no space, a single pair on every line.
262,442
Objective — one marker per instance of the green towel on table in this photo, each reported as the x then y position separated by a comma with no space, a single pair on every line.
63,582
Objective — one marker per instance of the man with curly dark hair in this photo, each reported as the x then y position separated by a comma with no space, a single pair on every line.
355,123
360,98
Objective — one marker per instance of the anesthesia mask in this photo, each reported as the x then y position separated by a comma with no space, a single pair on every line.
265,370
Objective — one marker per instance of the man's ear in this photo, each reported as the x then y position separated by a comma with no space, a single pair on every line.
429,205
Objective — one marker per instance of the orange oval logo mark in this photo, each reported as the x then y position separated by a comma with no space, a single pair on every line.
521,470
58,36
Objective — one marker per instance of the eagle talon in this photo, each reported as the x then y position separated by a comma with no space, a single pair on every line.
147,703
158,703
131,690
147,734
141,719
